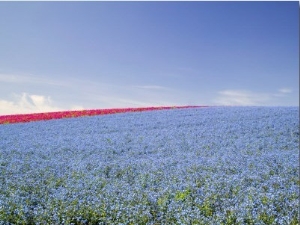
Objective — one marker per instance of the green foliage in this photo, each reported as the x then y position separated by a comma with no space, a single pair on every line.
231,218
265,200
182,195
295,221
207,208
249,220
163,201
266,218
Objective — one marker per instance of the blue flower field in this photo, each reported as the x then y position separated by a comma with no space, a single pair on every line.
215,165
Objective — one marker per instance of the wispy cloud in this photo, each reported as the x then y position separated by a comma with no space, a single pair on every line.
77,107
152,87
27,103
249,98
30,79
241,98
140,103
5,78
285,90
131,98
76,94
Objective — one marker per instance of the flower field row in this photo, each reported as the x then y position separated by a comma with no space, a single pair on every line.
22,118
214,166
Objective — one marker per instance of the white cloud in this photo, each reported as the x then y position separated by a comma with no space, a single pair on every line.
152,87
248,98
285,90
27,103
9,78
140,103
117,101
77,107
7,107
241,98
30,79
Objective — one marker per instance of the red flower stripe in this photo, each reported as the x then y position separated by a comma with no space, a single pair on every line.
23,118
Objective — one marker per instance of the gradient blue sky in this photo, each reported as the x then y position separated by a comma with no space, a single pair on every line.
75,55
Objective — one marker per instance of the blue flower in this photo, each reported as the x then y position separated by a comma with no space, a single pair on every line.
179,166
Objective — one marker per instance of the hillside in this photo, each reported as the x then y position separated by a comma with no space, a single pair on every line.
214,165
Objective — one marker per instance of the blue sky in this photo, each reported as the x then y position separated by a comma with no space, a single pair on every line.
89,55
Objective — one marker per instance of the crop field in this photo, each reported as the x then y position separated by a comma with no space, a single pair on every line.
214,165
